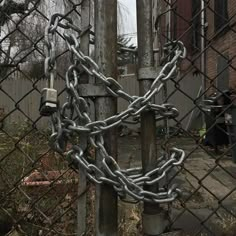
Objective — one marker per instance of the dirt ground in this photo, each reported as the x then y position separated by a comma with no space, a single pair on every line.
208,202
206,206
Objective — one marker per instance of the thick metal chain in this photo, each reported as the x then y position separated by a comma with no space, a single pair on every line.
66,126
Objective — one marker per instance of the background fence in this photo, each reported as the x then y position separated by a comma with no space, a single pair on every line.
39,190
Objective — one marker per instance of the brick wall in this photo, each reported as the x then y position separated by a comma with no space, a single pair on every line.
217,44
180,27
224,43
188,82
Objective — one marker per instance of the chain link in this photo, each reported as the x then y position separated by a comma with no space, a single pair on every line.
65,125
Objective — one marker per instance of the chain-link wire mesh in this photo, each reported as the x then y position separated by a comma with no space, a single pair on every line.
39,190
204,94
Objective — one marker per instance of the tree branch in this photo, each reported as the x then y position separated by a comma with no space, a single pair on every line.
10,7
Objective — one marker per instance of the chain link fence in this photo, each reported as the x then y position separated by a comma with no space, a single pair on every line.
39,177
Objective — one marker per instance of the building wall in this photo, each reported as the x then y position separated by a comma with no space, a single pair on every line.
218,45
220,72
224,44
188,83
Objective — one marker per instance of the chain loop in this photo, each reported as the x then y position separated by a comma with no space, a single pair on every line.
65,124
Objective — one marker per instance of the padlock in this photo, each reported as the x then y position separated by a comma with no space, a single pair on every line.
48,103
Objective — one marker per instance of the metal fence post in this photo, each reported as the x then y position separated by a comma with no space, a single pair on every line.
105,55
82,201
154,217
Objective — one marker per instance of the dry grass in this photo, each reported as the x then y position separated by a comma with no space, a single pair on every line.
227,223
19,160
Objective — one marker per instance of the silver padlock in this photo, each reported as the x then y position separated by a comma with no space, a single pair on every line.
48,103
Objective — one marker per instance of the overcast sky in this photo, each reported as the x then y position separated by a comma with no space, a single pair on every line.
129,19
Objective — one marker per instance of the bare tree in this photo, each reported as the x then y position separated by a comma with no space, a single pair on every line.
13,43
9,7
17,43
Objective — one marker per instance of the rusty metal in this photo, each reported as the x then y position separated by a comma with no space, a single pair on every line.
91,90
148,73
148,122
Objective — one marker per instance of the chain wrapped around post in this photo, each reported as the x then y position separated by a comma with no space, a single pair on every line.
66,126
